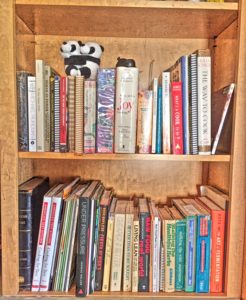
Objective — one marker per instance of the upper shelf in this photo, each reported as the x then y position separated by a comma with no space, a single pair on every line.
126,18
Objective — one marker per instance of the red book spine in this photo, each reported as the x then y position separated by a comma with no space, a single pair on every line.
63,114
217,251
177,118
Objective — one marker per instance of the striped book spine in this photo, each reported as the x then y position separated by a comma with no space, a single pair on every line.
79,109
71,112
57,113
47,73
63,114
193,99
32,125
52,113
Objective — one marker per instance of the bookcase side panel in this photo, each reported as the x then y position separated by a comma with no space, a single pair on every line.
238,167
9,158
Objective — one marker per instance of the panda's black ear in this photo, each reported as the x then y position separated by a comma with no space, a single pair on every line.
102,48
80,43
64,43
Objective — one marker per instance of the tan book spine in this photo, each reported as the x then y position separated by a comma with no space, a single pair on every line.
71,112
127,278
135,256
79,113
108,254
117,256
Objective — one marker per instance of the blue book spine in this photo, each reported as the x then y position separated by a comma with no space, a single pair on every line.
185,103
190,256
159,122
203,254
180,255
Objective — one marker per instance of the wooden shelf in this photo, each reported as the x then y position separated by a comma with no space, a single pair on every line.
125,18
144,157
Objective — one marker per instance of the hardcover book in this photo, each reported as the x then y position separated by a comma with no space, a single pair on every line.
166,118
32,113
40,90
135,250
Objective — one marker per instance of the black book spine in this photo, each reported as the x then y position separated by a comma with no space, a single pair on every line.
101,247
83,247
144,252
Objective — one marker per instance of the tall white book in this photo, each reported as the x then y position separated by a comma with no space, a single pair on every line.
32,113
40,105
166,107
126,109
204,101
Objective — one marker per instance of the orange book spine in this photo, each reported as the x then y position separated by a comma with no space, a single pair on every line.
217,251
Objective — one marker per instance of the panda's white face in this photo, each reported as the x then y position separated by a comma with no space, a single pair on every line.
92,49
70,48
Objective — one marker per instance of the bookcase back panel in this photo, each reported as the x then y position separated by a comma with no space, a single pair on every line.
164,52
219,176
25,169
155,179
25,53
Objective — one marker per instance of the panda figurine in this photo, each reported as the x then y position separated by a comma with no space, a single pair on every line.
81,58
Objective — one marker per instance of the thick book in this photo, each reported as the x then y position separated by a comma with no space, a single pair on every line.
144,124
204,101
144,246
177,118
43,229
90,116
135,250
63,114
221,121
71,112
30,201
218,217
109,244
104,209
159,122
154,113
166,115
126,101
32,112
22,105
57,113
79,114
40,90
105,110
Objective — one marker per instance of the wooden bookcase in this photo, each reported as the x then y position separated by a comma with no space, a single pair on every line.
145,30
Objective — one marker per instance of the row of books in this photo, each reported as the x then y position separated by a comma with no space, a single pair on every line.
70,114
82,232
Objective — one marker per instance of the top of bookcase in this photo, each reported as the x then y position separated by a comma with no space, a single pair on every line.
124,18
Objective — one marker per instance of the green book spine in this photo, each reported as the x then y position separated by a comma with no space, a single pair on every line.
190,255
170,232
180,255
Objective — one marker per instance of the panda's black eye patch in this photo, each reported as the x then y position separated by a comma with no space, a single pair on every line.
64,43
73,48
92,50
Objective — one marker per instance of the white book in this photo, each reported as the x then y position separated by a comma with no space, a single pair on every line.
135,255
154,114
166,106
126,109
44,220
40,105
32,113
204,101
155,272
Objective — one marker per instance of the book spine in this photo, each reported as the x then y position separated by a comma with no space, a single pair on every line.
47,73
135,256
32,125
41,243
144,129
156,252
203,254
57,113
117,256
90,117
79,109
52,113
40,105
126,109
162,266
22,102
190,256
177,118
180,255
25,241
71,112
83,241
170,237
127,270
193,101
63,114
159,122
154,115
217,251
144,252
185,103
105,110
50,243
204,104
166,120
